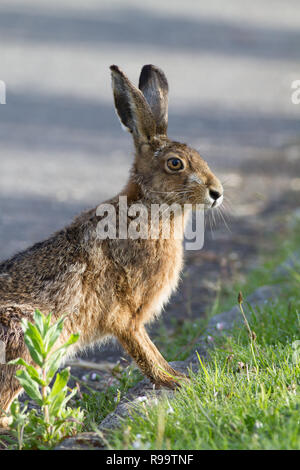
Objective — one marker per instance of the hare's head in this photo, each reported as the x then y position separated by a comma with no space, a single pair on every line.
164,170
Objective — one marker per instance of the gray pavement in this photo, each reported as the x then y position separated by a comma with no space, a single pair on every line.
230,66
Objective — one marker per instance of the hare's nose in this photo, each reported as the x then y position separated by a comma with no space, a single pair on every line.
214,194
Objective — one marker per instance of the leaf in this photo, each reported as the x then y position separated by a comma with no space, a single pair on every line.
18,362
67,398
60,382
36,355
30,369
47,321
73,339
30,387
56,403
33,341
39,321
33,333
59,403
52,335
54,363
54,360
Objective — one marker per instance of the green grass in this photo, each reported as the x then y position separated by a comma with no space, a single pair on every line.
280,247
242,398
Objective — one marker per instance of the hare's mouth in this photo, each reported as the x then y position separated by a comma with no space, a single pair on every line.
214,198
212,203
218,201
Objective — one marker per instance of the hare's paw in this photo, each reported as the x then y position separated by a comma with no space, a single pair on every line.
180,376
173,382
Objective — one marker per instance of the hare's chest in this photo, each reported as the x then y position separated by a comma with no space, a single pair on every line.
148,273
158,288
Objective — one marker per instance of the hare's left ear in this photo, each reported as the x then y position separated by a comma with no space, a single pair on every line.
132,107
154,85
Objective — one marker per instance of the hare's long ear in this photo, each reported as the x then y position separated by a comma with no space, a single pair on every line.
132,107
154,85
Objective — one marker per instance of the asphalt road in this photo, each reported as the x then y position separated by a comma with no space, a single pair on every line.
230,66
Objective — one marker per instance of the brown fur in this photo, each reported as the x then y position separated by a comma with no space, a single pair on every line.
109,287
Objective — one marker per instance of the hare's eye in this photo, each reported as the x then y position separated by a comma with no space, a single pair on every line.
174,164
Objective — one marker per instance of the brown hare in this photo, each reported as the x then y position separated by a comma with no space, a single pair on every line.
111,287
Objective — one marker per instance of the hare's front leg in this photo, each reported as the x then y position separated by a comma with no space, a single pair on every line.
140,347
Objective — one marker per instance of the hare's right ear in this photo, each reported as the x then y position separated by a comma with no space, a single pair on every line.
154,85
132,107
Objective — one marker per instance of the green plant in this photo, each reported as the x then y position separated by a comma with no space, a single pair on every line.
52,420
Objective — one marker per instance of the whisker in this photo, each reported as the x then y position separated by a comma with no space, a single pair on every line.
224,220
214,218
225,181
228,206
211,227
